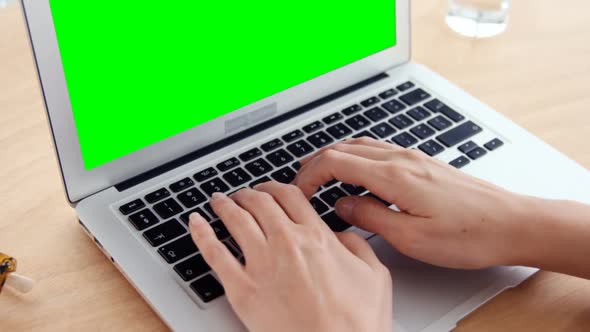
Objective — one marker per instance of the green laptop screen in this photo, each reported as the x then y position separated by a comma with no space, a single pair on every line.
139,72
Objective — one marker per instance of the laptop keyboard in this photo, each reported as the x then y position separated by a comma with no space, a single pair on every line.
405,115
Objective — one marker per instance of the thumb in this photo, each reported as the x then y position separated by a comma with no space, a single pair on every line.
371,215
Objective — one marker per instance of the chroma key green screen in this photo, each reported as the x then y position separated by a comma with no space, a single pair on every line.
139,72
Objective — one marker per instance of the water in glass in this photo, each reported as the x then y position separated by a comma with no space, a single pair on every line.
478,18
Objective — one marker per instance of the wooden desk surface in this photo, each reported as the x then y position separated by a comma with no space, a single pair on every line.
537,73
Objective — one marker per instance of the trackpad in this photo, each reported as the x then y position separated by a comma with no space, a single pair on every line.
434,299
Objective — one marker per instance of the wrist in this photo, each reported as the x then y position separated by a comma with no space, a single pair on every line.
525,230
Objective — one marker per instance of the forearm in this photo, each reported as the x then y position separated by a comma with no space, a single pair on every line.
555,236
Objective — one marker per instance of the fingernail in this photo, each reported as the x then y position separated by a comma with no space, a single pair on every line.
217,195
344,207
195,219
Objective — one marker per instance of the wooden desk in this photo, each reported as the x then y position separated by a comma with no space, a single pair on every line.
537,73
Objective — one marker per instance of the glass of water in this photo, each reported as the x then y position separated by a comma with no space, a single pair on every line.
478,18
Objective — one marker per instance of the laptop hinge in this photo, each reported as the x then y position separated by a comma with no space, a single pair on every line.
243,134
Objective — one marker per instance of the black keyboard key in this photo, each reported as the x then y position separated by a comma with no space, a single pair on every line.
214,185
192,268
330,183
468,146
335,223
231,249
131,206
228,164
284,175
383,130
431,148
440,122
191,197
177,250
269,146
300,148
250,154
352,189
167,208
351,110
209,209
259,181
401,121
370,102
406,86
452,114
258,167
364,133
387,94
320,139
376,114
318,205
157,195
235,244
339,130
393,106
477,153
438,106
207,288
332,195
279,158
414,97
493,144
205,174
185,217
310,128
164,232
237,177
358,122
404,140
435,105
143,219
220,230
332,118
419,113
459,134
459,162
422,131
290,137
296,165
181,185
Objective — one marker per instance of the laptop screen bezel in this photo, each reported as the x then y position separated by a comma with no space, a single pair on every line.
80,183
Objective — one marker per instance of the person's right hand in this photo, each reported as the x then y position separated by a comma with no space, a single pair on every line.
447,218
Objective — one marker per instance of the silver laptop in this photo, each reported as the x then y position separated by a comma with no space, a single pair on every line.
154,108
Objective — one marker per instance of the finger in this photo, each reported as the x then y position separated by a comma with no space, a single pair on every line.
265,210
368,141
361,141
359,247
293,202
368,152
239,223
218,257
342,166
371,215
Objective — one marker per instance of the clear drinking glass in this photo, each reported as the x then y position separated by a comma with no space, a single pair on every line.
4,3
478,18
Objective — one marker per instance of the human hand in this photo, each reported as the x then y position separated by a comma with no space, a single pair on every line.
446,218
299,275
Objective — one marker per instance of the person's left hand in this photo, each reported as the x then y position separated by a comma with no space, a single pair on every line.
299,275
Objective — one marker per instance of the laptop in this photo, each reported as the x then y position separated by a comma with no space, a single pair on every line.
153,108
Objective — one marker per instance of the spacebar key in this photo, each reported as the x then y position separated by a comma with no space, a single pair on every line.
459,134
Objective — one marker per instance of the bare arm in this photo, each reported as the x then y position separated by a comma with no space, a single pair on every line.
556,237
